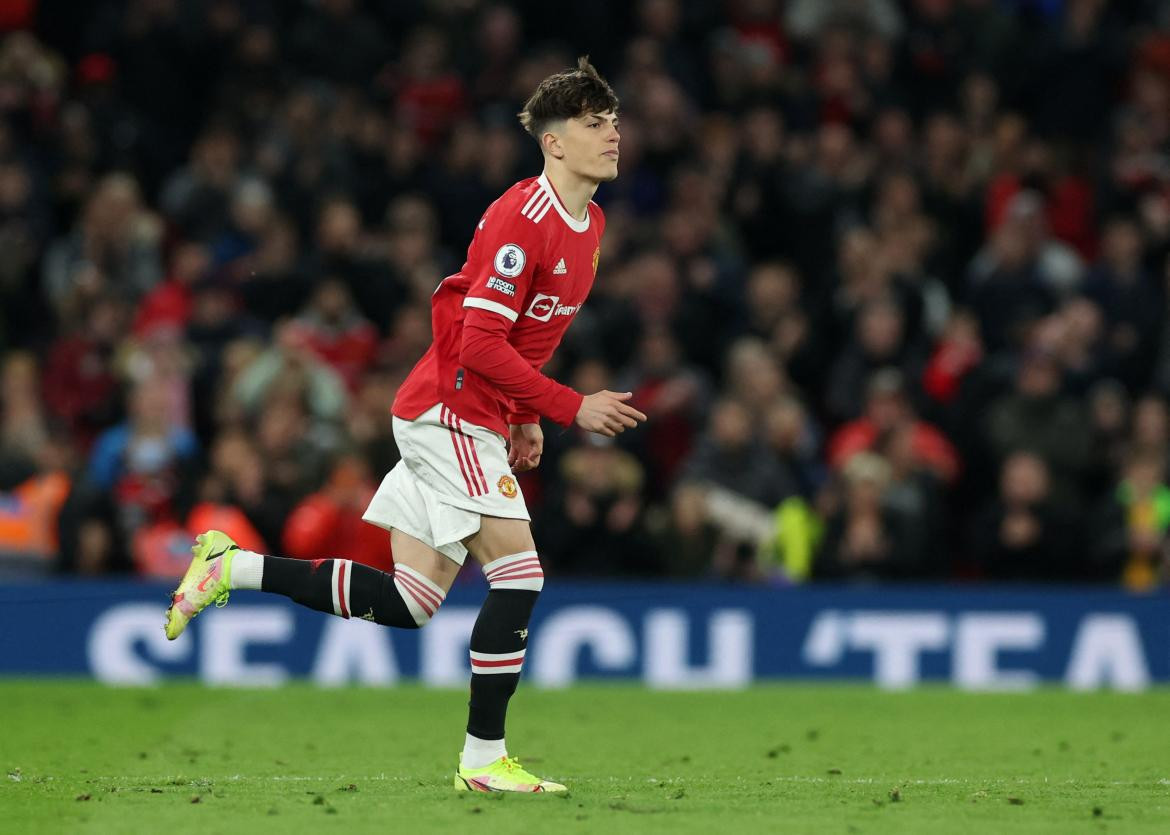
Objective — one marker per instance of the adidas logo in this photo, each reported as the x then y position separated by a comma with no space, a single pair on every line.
560,268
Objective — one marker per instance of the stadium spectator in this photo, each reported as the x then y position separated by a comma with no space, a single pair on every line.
866,539
1006,289
329,522
916,495
368,420
146,460
79,382
879,341
196,197
115,249
169,303
958,351
731,455
30,510
24,429
888,411
686,536
595,522
790,433
291,368
1130,301
337,333
1130,543
753,377
673,397
1109,409
1037,416
35,475
1151,425
1024,534
24,223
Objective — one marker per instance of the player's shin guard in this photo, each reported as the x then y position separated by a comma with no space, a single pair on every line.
405,598
499,638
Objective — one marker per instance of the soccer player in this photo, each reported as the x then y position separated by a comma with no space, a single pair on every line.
465,420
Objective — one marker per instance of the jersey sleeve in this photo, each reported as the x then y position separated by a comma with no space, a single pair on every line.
486,351
505,255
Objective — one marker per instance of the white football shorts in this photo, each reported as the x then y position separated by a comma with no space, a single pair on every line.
451,474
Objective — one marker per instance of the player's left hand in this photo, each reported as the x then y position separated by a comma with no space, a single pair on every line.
527,445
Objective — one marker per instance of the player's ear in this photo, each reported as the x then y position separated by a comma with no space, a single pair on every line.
550,142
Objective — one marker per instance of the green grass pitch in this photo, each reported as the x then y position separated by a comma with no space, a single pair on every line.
81,758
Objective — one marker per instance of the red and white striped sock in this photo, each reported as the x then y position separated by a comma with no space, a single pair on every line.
422,597
516,571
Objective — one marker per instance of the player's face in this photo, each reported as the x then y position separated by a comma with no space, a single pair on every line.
590,143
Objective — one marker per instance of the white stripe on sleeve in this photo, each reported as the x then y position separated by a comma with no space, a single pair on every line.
494,307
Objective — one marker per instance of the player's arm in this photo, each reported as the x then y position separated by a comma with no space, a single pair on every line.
508,260
487,352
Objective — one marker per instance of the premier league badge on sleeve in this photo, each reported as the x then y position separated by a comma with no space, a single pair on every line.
510,260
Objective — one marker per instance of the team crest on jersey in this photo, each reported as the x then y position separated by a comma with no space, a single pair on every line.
510,260
507,486
596,258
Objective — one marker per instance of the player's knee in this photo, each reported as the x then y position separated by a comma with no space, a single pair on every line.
420,594
516,571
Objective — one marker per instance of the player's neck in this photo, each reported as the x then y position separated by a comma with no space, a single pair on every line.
573,191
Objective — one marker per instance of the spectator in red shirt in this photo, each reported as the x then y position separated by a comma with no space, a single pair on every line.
334,330
329,522
431,96
79,384
169,304
887,409
958,352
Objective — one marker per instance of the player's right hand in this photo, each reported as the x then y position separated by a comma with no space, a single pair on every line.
607,413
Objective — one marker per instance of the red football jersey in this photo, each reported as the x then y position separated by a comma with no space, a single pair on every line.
529,269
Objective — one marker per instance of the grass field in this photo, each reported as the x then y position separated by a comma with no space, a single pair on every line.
808,759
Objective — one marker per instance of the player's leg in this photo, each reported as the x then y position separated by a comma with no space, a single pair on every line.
505,550
406,597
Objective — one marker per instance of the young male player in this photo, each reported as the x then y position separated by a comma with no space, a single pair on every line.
466,419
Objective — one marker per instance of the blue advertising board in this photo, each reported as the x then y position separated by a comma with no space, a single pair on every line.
667,636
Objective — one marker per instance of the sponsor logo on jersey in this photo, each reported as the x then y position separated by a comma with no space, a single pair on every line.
542,307
505,287
545,307
510,260
507,486
560,268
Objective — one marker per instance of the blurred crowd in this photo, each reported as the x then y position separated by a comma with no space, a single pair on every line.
890,277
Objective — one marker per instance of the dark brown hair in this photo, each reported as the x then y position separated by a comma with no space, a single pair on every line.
567,95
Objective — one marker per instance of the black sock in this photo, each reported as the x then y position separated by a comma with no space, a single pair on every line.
501,630
349,589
